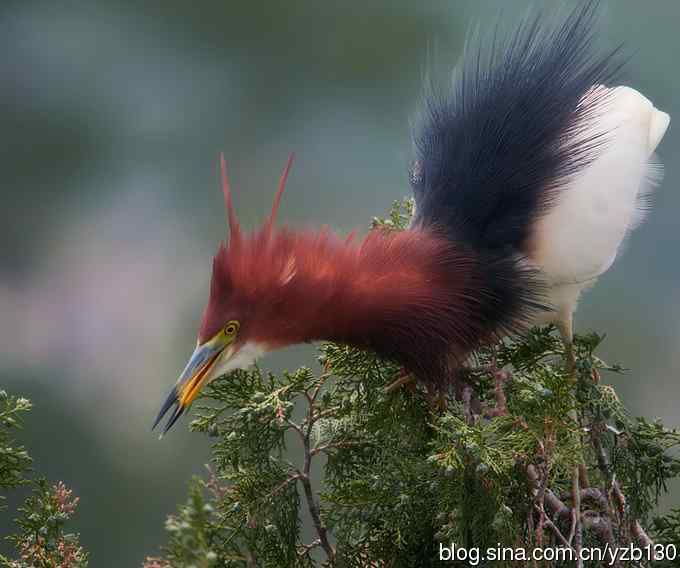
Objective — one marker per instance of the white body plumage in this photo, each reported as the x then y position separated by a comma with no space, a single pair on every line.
579,238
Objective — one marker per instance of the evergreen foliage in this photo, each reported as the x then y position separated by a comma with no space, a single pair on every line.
508,456
41,540
14,460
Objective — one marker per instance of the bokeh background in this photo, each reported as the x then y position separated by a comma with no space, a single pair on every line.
111,116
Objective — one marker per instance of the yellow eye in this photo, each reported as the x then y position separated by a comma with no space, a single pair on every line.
231,328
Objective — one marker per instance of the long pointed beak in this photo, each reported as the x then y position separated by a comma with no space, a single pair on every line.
194,376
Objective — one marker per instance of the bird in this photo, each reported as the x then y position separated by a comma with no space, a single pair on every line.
529,172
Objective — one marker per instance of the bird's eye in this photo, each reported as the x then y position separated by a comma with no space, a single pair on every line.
231,328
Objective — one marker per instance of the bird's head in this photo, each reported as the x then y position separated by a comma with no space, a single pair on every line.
241,320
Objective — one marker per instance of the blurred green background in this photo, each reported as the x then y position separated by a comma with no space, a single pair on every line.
112,114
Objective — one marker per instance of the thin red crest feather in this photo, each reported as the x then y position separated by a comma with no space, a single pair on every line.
279,192
234,228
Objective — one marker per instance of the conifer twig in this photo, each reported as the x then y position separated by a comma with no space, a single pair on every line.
304,475
543,495
281,486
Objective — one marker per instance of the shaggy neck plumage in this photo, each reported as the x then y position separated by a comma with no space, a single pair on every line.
412,296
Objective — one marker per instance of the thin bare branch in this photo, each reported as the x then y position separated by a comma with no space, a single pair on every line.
576,501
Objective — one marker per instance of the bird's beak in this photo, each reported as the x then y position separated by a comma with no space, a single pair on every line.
198,372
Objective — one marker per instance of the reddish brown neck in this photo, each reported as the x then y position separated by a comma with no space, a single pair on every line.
390,293
413,296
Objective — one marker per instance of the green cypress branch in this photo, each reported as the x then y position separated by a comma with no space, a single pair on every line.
42,540
14,459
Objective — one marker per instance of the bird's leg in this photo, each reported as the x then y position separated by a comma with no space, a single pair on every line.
565,325
404,378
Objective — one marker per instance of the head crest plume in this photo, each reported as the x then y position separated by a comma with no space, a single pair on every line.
234,227
279,192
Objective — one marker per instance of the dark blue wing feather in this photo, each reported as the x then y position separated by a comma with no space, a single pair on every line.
493,153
